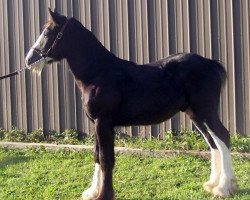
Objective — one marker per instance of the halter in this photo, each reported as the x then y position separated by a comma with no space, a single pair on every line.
41,53
57,39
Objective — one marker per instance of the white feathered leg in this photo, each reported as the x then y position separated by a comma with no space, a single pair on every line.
227,184
93,192
215,166
215,171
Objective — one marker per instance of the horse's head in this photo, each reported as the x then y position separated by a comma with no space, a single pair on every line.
50,44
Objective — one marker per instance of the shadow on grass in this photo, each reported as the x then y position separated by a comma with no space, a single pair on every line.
241,192
12,160
244,191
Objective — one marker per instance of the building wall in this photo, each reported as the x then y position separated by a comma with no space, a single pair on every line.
137,30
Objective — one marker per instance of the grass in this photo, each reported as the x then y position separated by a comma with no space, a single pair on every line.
41,174
184,140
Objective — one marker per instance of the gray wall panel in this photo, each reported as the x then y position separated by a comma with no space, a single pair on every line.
138,30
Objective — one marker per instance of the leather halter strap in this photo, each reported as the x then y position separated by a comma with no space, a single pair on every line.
58,38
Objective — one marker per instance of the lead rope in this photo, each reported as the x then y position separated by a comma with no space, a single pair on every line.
58,37
14,73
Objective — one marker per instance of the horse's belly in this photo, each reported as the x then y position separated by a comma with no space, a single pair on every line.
148,103
146,112
144,119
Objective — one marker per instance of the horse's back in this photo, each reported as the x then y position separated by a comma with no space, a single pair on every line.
160,89
146,89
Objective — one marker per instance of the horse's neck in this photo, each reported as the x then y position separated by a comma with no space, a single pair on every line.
88,60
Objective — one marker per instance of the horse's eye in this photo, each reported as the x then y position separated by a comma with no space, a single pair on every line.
46,33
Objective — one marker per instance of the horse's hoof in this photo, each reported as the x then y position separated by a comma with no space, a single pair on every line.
112,198
90,194
234,187
106,197
208,186
220,192
226,190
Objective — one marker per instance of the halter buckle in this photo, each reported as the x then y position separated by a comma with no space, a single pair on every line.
59,35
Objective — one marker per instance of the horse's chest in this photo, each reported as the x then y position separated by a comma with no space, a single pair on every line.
88,100
99,100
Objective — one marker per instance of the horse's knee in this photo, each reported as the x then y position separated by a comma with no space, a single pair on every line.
105,136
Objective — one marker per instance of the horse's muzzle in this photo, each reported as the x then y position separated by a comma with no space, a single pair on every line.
32,58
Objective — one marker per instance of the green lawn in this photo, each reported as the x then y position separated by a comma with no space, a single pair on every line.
41,174
183,140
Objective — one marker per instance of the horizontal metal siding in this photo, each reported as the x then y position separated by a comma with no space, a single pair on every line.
137,30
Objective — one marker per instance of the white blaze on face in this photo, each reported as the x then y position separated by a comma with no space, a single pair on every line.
31,51
35,61
39,39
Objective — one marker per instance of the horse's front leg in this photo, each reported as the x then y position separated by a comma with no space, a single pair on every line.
102,187
105,137
94,190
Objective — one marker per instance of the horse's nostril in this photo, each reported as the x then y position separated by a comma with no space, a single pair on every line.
28,61
32,57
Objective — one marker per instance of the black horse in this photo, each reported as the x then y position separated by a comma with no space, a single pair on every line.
119,92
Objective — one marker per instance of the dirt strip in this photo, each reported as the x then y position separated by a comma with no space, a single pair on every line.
118,150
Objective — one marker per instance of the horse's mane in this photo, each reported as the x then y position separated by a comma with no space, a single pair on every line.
49,23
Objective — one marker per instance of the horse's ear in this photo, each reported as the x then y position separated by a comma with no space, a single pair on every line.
54,16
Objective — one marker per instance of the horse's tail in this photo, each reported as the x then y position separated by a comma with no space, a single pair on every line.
221,69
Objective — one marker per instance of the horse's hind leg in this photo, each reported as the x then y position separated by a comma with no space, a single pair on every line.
222,180
215,155
227,185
